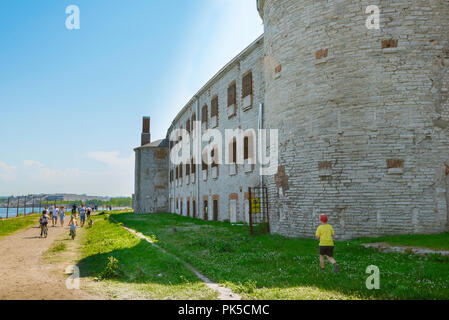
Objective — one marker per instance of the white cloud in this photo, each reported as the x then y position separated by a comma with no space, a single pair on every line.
115,178
112,159
7,173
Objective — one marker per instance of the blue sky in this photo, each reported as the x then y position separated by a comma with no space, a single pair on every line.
71,101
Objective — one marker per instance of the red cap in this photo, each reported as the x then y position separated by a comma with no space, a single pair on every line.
323,218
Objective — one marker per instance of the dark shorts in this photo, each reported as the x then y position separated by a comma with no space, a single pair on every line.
44,223
82,217
327,251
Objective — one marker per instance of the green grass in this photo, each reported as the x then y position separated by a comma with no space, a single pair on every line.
140,267
9,226
275,267
433,241
58,247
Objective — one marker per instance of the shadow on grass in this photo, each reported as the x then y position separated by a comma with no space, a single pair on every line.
228,254
141,263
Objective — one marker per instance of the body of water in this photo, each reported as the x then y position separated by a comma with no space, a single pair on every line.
13,211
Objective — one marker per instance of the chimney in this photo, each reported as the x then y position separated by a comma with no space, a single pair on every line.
146,136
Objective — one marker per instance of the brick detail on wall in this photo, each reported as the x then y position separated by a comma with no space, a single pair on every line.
395,163
321,54
233,196
389,43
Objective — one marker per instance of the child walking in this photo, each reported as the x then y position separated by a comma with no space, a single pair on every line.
325,234
62,216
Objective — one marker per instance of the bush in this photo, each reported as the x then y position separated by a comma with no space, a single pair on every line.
112,270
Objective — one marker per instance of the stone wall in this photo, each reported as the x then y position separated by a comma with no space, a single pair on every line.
362,115
151,187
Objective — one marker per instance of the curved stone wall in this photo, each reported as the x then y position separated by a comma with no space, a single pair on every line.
363,115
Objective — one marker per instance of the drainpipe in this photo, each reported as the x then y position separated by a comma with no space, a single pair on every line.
198,133
260,126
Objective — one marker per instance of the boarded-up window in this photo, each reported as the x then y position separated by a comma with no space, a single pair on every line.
233,149
214,156
188,125
232,94
247,84
214,107
193,166
187,169
248,146
204,114
193,120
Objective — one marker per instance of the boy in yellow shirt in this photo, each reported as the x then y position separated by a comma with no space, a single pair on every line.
324,233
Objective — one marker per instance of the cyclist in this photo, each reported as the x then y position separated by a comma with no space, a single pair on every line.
72,224
43,221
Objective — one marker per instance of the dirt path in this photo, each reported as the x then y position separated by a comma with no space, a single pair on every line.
24,276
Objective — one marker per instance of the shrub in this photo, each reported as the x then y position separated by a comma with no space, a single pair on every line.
112,270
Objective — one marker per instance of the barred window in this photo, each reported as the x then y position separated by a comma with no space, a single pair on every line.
247,84
232,94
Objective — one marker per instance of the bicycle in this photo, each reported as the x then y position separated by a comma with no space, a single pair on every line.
44,231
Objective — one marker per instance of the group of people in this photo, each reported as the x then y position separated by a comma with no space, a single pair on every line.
56,212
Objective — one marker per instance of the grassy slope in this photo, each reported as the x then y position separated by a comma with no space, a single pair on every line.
146,269
275,267
9,226
434,241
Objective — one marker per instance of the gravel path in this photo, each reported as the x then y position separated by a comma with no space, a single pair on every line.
24,276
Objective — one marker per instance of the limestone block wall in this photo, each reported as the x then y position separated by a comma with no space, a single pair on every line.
151,187
362,115
228,190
